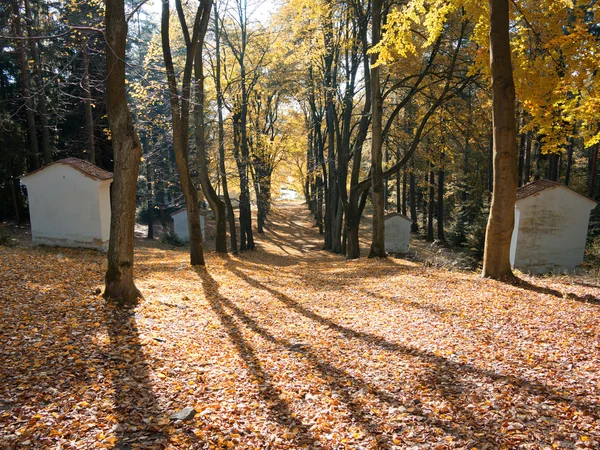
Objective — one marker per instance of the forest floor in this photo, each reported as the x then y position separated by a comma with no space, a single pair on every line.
293,347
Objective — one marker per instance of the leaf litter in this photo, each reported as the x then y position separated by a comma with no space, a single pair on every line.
292,347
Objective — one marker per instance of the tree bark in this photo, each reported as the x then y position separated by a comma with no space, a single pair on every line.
377,242
150,202
413,198
527,169
89,118
593,170
216,205
34,157
127,152
404,186
440,201
430,203
221,135
180,119
569,161
39,82
496,258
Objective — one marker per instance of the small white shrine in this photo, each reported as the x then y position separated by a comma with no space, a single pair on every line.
397,233
551,225
180,224
69,204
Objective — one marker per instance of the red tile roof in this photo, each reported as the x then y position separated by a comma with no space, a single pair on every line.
85,167
397,214
539,185
534,187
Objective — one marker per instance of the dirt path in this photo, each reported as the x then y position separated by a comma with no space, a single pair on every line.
293,347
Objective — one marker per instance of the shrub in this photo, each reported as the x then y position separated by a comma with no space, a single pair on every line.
172,239
6,238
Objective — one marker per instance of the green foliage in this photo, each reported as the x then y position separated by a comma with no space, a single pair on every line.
6,238
172,239
476,234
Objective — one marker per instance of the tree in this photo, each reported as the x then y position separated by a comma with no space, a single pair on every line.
496,257
180,113
127,153
377,242
221,131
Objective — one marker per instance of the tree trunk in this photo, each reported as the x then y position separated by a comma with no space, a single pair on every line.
522,145
150,203
216,205
593,170
404,196
180,119
569,161
527,170
39,83
413,199
552,170
34,157
398,191
377,242
440,202
431,204
538,159
230,212
87,102
496,258
127,153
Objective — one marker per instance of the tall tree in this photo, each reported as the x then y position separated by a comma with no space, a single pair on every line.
221,132
377,242
496,257
180,115
29,103
127,153
216,204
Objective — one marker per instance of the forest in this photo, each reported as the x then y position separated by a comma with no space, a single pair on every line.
332,224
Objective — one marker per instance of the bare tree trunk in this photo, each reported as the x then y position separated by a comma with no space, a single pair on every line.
377,242
552,170
404,186
127,152
522,145
569,161
39,83
398,191
413,198
180,118
89,118
593,170
221,136
527,169
216,205
440,201
150,203
496,258
34,157
430,203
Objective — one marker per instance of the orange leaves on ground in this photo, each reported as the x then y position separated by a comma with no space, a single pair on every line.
288,347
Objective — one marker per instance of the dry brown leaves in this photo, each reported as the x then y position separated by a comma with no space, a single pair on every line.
291,347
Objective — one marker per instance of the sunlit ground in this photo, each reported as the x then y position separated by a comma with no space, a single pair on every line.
291,347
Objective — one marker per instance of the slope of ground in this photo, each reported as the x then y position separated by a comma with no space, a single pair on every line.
293,347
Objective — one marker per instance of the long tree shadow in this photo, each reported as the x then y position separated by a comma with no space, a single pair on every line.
523,284
279,407
136,408
340,381
442,364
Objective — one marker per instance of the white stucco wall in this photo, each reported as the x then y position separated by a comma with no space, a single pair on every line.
551,230
68,208
180,225
397,234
